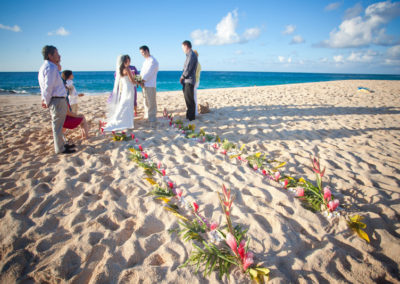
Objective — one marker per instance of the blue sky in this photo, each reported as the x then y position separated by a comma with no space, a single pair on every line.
278,36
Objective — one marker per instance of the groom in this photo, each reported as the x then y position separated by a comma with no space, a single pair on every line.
188,79
149,75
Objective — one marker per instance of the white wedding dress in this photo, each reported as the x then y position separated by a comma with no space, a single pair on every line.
122,116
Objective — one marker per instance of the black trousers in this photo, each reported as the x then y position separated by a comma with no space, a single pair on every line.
188,92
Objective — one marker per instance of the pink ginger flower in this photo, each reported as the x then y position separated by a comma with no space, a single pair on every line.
317,167
327,193
286,183
133,136
170,123
332,205
136,140
255,167
159,165
179,192
196,207
300,191
239,158
213,226
223,152
277,176
215,146
163,172
204,139
241,249
264,172
231,241
140,148
227,193
170,184
145,155
102,130
248,260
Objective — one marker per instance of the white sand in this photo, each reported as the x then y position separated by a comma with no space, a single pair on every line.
85,217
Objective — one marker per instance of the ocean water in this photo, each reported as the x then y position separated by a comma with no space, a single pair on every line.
26,83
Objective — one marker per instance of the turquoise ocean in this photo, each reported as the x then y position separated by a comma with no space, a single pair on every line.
26,83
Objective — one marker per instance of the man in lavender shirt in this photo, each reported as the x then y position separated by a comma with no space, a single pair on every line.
54,96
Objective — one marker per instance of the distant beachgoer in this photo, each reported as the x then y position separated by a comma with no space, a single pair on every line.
72,95
121,104
149,76
198,70
54,96
188,79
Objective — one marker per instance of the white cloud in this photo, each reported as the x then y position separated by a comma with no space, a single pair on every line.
366,30
252,33
333,6
353,12
393,62
15,28
61,32
289,29
297,39
367,56
394,52
338,58
225,32
283,59
239,52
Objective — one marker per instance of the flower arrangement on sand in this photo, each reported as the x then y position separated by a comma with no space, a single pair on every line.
216,248
224,248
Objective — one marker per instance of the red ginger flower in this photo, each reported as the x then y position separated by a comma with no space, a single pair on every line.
179,192
213,226
196,207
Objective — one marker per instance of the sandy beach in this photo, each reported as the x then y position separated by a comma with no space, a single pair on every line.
86,218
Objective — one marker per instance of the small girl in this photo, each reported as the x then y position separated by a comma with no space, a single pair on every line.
72,94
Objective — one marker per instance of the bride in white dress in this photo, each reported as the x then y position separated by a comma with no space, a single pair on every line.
120,110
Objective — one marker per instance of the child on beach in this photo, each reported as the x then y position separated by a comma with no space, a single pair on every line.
68,78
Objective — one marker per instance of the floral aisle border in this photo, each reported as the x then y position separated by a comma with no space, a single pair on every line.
314,197
217,248
211,251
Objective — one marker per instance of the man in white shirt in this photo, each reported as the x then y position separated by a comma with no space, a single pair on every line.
54,96
149,75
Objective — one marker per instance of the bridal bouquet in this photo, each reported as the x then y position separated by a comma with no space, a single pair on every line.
138,79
